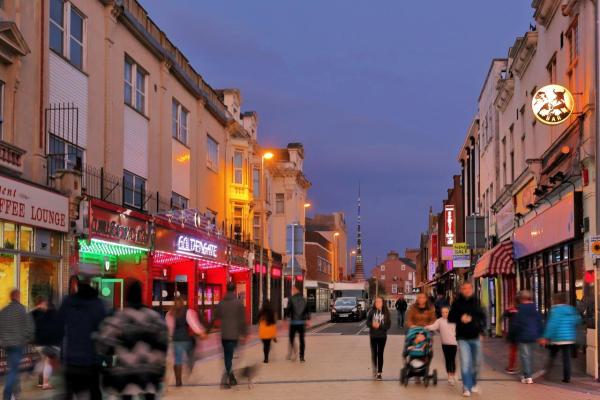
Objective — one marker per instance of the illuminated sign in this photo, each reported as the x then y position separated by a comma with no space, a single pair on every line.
187,244
552,104
450,224
462,255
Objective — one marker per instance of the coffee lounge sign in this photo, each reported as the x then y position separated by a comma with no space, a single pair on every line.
27,204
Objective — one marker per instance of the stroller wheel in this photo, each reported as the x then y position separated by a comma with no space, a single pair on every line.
425,381
403,379
434,377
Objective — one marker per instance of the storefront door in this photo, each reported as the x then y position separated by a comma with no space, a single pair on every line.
110,291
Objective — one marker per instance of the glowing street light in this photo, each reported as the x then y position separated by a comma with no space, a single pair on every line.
268,155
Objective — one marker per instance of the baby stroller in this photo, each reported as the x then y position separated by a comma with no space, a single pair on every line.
418,352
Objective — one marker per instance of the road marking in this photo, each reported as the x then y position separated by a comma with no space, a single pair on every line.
362,326
322,328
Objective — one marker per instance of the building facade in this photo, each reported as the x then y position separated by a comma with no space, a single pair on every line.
396,274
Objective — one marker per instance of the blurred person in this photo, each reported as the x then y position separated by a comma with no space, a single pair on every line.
509,315
561,333
401,307
469,317
421,313
81,314
297,312
439,303
447,332
136,337
378,321
232,314
48,336
16,331
528,329
184,325
267,327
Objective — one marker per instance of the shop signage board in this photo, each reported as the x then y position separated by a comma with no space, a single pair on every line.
594,248
552,104
187,244
447,253
462,255
27,204
122,228
431,270
449,224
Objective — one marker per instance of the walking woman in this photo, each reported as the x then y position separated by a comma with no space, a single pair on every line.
447,332
421,313
378,322
183,325
267,327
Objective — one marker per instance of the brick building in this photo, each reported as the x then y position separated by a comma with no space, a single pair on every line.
319,269
397,275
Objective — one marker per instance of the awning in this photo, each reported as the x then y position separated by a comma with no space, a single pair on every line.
497,261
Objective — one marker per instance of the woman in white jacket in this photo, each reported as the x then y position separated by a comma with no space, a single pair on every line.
447,332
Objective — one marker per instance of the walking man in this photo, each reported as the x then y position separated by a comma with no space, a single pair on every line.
232,314
297,311
16,330
401,306
469,317
528,328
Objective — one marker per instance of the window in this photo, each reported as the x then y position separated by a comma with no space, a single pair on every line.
256,183
212,158
382,277
179,122
1,109
573,41
134,190
383,268
394,288
135,85
178,202
238,167
512,166
551,68
279,203
63,155
256,228
64,18
403,267
237,223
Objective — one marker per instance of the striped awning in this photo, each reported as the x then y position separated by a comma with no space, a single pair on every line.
497,261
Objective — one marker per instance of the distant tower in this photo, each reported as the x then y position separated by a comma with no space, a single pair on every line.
359,271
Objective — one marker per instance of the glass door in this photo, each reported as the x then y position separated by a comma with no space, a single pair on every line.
110,291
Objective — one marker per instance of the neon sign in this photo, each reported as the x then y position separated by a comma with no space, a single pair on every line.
188,244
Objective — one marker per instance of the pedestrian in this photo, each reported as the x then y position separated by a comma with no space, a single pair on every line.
401,307
421,313
470,320
232,314
297,311
378,321
267,328
528,329
509,315
447,332
81,314
184,326
47,339
439,303
561,333
16,331
136,338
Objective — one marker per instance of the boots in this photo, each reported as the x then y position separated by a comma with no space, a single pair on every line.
232,380
178,369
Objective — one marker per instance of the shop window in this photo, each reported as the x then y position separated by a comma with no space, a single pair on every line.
8,277
55,243
9,235
38,278
26,242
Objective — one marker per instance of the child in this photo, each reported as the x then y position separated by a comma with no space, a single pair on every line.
448,336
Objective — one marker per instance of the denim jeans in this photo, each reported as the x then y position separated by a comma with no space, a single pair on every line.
13,355
525,350
470,361
228,350
181,351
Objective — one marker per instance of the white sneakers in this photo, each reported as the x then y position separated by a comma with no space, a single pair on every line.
527,381
466,393
476,389
451,380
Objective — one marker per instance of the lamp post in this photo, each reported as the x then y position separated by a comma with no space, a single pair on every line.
266,156
350,254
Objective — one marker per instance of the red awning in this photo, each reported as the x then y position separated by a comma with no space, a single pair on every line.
497,261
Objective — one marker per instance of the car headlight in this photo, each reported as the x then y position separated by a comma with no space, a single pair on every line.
354,309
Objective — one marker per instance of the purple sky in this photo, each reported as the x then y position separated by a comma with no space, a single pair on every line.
378,92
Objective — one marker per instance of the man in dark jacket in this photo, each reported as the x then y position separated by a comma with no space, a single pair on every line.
297,312
81,313
401,307
469,317
528,328
16,331
232,314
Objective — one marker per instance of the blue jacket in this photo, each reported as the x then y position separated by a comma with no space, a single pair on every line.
562,324
528,324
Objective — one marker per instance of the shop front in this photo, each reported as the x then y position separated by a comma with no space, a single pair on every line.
276,282
261,272
549,249
115,249
189,263
318,296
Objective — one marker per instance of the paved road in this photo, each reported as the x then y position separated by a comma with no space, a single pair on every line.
354,328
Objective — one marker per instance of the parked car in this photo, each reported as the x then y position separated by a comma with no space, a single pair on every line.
348,309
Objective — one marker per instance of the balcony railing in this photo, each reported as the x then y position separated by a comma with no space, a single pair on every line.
11,157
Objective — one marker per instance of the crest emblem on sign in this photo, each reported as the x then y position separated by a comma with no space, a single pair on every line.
552,104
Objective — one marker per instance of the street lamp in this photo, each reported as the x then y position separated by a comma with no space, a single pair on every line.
350,254
266,156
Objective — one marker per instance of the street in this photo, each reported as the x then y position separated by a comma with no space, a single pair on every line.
338,366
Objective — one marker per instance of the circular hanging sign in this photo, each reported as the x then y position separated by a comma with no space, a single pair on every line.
552,104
